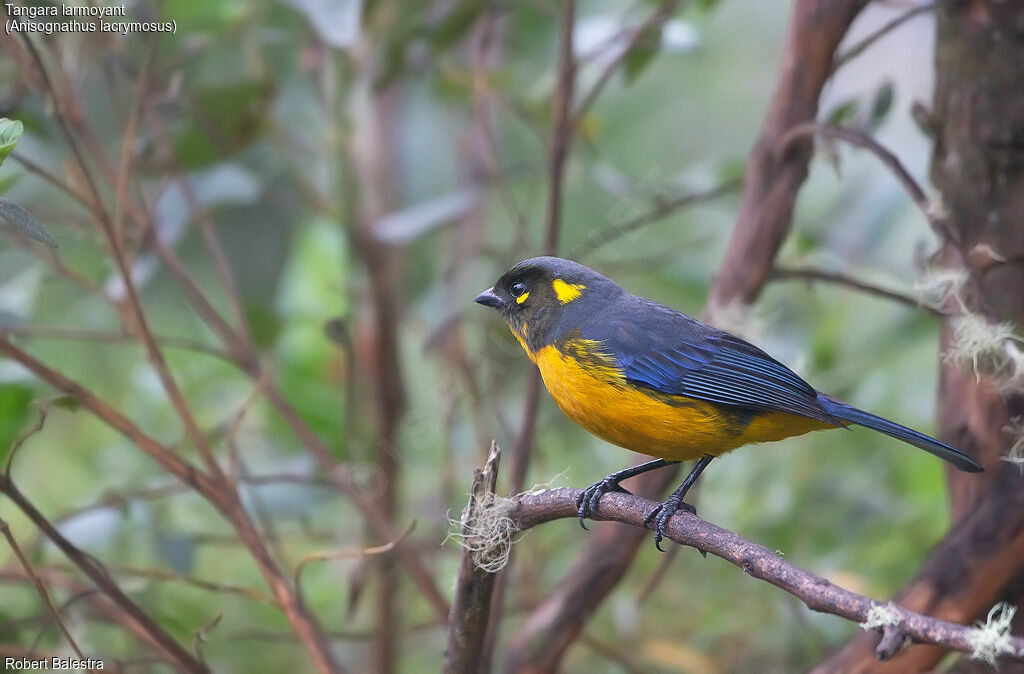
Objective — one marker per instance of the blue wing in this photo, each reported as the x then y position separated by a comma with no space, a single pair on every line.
660,349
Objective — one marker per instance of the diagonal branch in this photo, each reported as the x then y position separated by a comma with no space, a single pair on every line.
139,619
845,280
535,508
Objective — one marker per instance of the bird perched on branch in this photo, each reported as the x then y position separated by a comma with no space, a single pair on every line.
650,379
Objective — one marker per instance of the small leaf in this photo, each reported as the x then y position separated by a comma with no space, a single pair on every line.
641,55
10,132
881,104
843,112
65,403
25,222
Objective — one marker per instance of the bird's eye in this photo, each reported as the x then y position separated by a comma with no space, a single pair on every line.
518,288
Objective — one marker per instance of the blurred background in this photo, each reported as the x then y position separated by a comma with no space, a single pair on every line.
367,168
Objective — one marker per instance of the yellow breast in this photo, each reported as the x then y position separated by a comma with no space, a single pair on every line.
592,391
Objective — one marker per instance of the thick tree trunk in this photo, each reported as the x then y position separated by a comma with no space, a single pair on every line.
978,167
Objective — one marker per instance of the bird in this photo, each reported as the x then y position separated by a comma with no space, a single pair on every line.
648,378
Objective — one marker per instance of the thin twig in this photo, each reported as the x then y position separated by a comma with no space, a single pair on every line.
87,565
562,126
5,530
72,334
562,132
44,408
847,281
936,219
347,553
658,17
859,48
37,169
661,209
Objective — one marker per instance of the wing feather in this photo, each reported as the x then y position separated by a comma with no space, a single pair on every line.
668,352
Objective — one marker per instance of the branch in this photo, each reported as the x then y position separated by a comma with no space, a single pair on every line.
531,509
155,634
562,132
467,623
661,208
860,47
773,180
5,530
600,565
933,213
962,577
810,274
562,127
213,489
658,17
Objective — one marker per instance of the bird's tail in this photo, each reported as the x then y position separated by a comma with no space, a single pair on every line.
845,412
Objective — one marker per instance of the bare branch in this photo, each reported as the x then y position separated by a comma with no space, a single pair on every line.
816,28
860,47
471,607
347,553
931,211
847,281
532,509
660,209
5,530
652,22
143,623
562,126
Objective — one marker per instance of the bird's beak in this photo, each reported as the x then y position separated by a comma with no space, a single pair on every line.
488,298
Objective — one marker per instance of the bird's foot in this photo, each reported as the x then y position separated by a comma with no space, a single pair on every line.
587,501
663,513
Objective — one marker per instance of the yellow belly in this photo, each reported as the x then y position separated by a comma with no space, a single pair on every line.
593,393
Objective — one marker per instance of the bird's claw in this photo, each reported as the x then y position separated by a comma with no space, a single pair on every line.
587,501
661,514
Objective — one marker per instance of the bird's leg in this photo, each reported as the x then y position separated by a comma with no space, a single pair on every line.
588,498
664,512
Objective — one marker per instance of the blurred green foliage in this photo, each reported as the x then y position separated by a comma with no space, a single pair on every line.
260,112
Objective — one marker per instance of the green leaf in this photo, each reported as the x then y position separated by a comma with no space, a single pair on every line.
843,112
25,222
14,414
641,55
264,325
881,104
65,403
10,132
455,25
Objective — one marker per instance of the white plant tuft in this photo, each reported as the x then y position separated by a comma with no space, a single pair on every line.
937,286
983,346
936,209
881,615
1015,454
1012,379
992,638
487,532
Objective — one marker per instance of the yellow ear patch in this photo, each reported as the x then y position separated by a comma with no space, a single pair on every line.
566,292
522,298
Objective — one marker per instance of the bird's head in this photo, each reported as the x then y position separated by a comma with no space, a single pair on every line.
544,298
